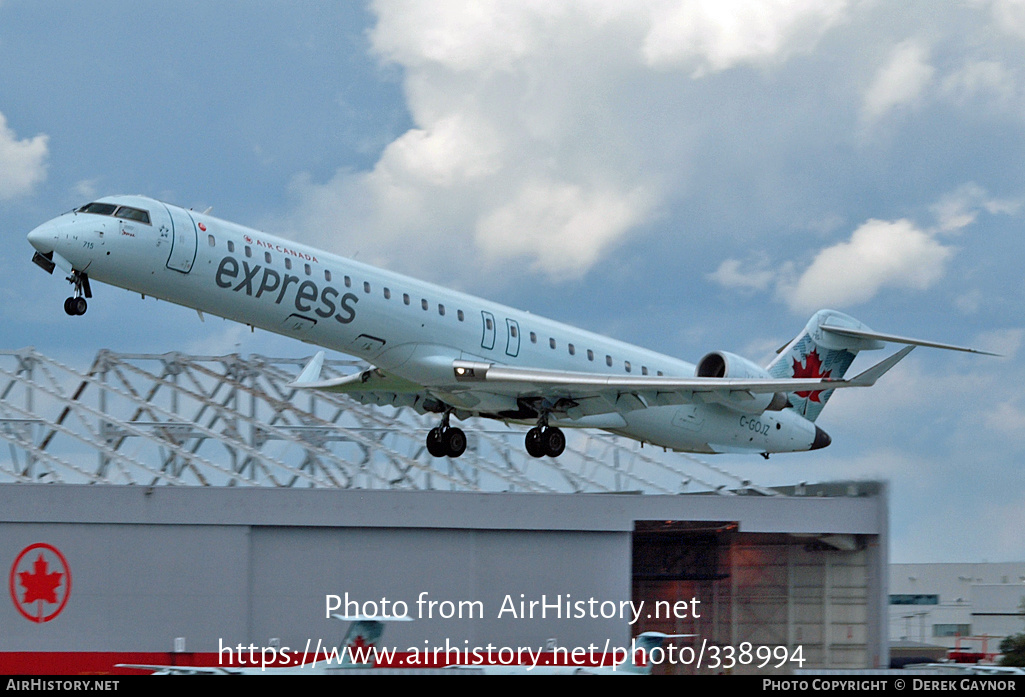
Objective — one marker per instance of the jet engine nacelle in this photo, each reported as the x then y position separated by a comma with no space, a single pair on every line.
722,364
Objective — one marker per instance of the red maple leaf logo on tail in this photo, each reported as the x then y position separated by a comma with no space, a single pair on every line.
359,642
812,368
39,584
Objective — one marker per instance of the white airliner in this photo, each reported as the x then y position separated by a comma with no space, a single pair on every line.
436,350
359,642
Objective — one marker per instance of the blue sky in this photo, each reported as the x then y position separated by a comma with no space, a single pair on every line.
686,176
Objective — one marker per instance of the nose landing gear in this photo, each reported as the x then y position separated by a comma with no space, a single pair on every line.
76,304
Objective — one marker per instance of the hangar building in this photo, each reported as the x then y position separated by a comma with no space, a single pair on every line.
162,522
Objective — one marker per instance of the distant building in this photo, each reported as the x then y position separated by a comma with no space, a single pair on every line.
970,607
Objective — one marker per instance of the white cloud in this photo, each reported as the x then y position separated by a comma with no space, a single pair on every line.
961,207
711,35
730,275
573,225
900,82
879,254
86,188
986,79
22,162
1006,342
1006,419
527,144
1009,16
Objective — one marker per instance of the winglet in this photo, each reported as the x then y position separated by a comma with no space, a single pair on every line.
311,373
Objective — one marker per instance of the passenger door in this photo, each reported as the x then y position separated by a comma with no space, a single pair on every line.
183,240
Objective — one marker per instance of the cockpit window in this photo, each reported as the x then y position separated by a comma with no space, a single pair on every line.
126,212
129,213
98,208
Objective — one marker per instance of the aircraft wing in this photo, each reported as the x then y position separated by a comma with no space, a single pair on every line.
576,394
371,386
594,393
180,670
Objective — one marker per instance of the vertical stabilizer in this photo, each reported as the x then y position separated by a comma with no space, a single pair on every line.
818,353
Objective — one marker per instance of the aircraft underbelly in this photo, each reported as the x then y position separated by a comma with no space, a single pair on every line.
713,428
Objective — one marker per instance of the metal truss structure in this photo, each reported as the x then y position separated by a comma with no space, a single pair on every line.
180,419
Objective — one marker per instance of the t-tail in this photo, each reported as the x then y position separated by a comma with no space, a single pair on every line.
815,353
826,347
642,646
359,647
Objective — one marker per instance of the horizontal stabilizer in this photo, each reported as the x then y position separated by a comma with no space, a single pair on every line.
865,334
372,618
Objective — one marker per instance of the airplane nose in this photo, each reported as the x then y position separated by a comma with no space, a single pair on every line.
42,238
822,439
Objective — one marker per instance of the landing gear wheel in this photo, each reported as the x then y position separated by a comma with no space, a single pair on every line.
455,442
75,306
436,444
535,448
554,441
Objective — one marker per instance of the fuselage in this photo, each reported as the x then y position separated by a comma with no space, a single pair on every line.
405,327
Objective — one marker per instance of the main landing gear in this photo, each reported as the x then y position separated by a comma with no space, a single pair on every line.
445,440
545,440
76,304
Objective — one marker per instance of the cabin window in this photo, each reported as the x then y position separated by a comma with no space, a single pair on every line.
387,293
441,310
514,331
309,271
424,304
348,282
533,338
249,252
489,323
211,240
288,263
266,257
405,298
231,246
659,373
327,275
459,315
590,355
366,286
608,361
644,370
572,350
626,364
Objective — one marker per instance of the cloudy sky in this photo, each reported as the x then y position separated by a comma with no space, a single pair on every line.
688,176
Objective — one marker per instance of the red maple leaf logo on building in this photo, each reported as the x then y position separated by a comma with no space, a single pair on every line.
40,584
812,368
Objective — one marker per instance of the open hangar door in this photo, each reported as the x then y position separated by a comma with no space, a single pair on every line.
737,592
